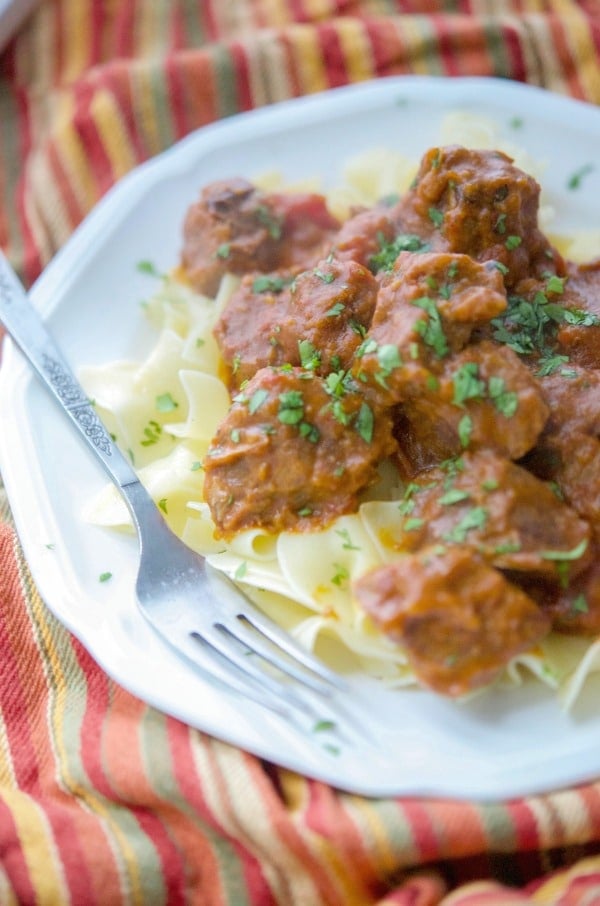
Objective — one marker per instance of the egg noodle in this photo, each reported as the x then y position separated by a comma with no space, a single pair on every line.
164,411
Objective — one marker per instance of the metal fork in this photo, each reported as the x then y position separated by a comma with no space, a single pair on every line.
196,609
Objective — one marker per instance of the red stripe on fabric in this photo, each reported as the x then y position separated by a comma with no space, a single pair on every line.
421,827
32,263
333,55
124,762
124,32
245,101
127,768
12,858
513,46
83,121
446,50
388,53
186,776
210,21
64,185
565,54
176,91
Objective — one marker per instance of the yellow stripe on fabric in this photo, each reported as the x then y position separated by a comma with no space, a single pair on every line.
111,128
385,836
358,55
72,154
77,34
579,39
561,819
37,847
312,73
422,52
53,657
7,772
7,891
556,886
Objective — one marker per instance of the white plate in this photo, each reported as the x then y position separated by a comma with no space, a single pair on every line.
501,744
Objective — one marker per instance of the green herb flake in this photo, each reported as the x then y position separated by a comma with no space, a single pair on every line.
323,726
466,384
505,401
310,357
163,504
341,575
152,434
574,181
325,277
465,429
580,604
241,571
266,283
365,423
291,407
347,544
436,216
166,403
431,330
335,310
384,259
454,495
257,399
473,519
104,577
513,242
273,224
147,267
565,556
196,466
223,251
413,524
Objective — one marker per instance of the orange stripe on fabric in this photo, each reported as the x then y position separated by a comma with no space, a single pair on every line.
571,38
13,858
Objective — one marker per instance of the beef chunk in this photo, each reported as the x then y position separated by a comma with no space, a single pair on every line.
459,620
294,452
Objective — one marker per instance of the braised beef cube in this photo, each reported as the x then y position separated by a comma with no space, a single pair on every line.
458,619
497,508
362,236
479,203
293,452
427,308
236,228
332,304
255,329
483,398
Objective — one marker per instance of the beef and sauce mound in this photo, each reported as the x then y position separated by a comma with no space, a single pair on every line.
441,333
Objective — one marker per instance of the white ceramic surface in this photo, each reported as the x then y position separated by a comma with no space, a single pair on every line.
502,743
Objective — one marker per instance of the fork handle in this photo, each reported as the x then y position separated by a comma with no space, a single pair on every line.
26,328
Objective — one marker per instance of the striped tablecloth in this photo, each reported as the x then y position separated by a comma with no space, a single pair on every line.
104,800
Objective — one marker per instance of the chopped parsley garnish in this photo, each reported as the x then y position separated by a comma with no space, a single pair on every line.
564,556
580,604
241,570
335,310
389,359
291,408
147,267
341,574
365,422
224,250
326,277
466,384
574,181
513,242
257,399
266,283
310,357
474,518
273,224
347,540
436,216
384,259
431,330
505,401
454,495
465,429
152,434
166,403
104,577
